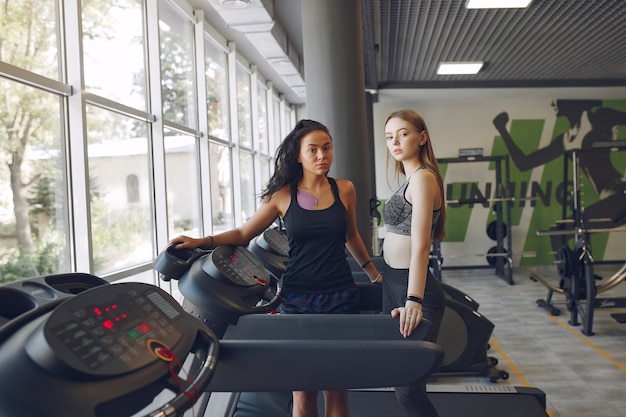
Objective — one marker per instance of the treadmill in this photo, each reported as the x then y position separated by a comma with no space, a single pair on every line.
223,332
464,354
263,399
449,400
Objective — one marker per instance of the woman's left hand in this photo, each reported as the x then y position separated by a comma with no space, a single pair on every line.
410,317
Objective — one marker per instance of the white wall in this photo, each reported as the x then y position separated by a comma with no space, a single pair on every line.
463,118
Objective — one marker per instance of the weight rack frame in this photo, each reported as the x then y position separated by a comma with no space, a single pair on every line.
503,263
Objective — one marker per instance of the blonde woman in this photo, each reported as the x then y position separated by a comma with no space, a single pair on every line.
414,216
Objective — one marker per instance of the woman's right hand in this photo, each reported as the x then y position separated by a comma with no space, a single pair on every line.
410,317
184,242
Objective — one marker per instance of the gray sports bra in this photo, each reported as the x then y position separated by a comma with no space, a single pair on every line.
397,211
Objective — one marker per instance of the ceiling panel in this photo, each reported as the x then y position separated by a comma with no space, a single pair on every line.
550,43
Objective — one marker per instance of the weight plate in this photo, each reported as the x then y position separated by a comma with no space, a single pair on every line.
564,258
492,230
491,260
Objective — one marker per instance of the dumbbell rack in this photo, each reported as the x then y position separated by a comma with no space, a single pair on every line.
501,258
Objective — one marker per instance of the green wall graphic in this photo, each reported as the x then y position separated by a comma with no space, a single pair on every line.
538,181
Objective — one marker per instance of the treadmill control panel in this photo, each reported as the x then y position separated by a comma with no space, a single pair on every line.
238,265
114,329
276,240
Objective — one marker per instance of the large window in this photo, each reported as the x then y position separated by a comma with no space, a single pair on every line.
244,111
248,197
113,51
177,66
246,161
33,187
121,229
29,36
217,91
265,158
218,115
103,157
262,122
277,128
183,184
221,176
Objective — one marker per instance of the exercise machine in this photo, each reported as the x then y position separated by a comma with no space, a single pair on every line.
464,332
107,350
44,329
358,340
341,329
500,256
578,283
103,349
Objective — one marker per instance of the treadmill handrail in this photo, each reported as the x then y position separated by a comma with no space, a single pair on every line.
323,327
321,365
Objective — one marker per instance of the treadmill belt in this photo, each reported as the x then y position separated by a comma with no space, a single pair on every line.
523,402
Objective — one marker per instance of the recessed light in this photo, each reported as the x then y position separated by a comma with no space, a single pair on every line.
497,4
280,61
235,4
450,68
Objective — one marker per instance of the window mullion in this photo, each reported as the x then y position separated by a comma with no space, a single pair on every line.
82,249
156,132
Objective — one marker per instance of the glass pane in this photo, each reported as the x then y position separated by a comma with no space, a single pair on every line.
288,121
29,36
248,203
221,187
278,133
33,186
266,170
243,108
262,105
217,91
177,68
183,184
113,34
120,190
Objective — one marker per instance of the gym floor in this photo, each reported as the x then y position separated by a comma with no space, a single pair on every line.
582,376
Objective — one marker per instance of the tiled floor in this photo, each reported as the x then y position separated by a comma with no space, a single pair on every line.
582,376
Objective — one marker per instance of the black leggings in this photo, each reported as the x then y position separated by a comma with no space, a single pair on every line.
413,398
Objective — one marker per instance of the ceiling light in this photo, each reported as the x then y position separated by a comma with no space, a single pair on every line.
235,4
449,68
497,4
279,61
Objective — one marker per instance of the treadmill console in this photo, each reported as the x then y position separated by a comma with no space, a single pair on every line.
236,265
274,240
112,331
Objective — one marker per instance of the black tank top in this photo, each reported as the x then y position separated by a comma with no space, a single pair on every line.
317,238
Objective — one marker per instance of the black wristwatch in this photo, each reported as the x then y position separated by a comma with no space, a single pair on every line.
415,299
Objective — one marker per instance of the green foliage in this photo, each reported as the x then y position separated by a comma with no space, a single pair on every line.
42,200
16,268
46,259
114,237
177,76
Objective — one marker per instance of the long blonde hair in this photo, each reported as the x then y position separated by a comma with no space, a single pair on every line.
428,159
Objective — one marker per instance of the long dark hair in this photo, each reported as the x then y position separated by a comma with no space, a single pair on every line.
287,169
427,157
